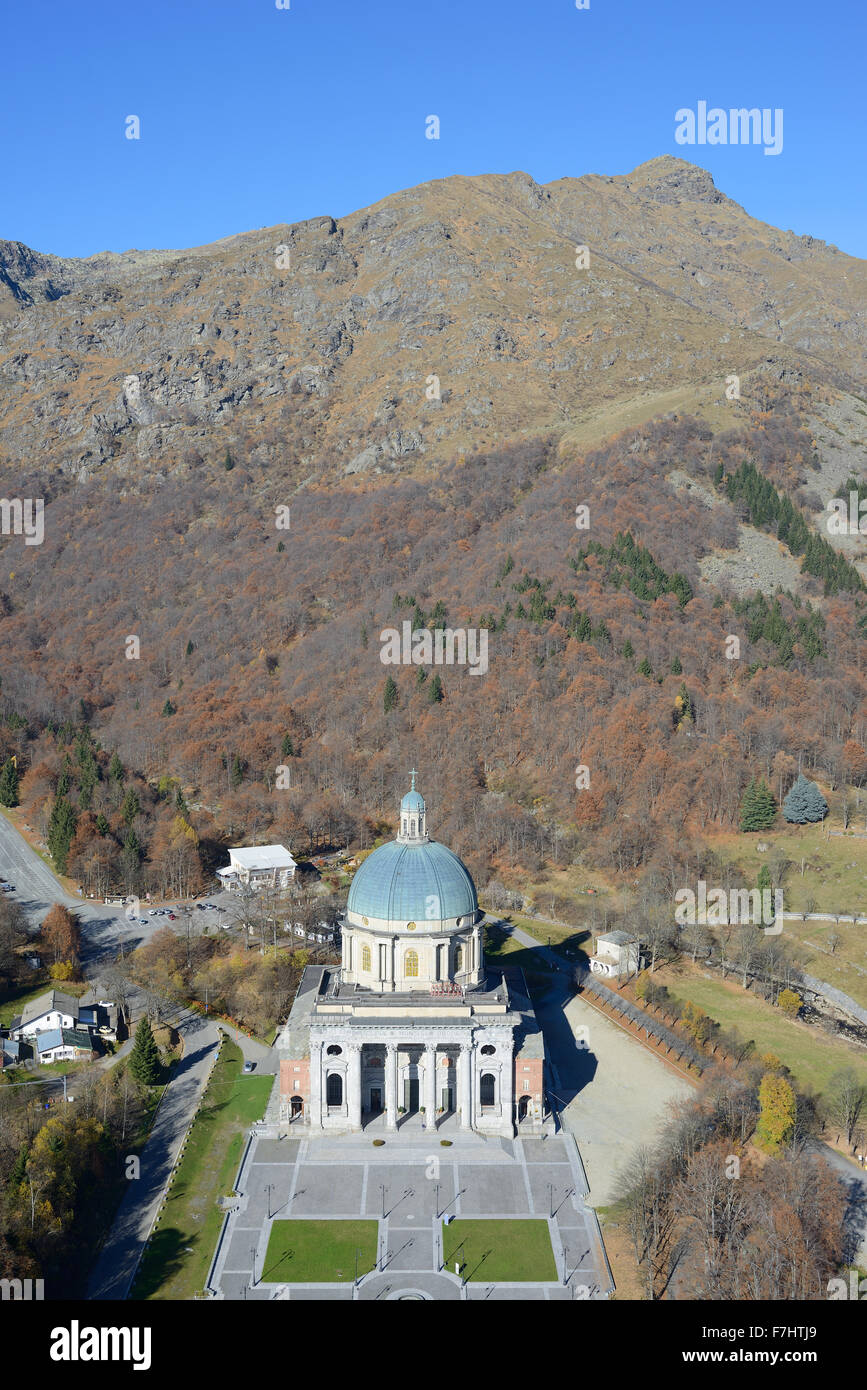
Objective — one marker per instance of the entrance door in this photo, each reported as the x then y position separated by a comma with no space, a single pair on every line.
448,1099
297,1106
523,1107
410,1095
376,1099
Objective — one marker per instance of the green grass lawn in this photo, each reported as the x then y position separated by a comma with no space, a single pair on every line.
834,870
500,1251
176,1262
506,951
836,968
811,1056
319,1252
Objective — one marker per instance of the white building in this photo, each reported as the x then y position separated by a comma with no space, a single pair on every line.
259,866
616,955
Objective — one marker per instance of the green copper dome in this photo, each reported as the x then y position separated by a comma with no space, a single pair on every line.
413,883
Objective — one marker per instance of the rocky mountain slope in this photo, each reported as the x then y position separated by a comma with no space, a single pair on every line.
315,346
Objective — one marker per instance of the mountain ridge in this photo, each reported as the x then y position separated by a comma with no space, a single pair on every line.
446,316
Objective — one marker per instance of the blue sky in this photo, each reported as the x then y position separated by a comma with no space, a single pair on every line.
251,115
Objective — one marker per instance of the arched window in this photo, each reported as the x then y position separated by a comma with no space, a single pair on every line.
459,958
488,1089
410,965
365,958
488,1050
334,1089
334,1050
412,825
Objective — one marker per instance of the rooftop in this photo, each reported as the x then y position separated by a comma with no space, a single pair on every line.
262,857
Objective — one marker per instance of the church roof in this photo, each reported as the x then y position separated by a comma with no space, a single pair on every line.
413,882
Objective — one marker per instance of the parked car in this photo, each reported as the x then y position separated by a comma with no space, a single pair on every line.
172,917
248,1066
8,887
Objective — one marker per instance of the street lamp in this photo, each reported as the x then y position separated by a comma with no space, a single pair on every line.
253,1270
269,1188
382,1190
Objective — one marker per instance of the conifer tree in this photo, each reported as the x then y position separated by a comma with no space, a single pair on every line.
389,699
804,802
435,692
145,1064
61,828
9,784
758,808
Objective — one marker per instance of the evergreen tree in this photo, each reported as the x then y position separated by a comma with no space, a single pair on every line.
9,784
287,747
102,826
115,769
131,807
145,1064
676,668
435,692
168,708
236,776
805,802
758,808
645,668
389,699
132,856
61,828
628,650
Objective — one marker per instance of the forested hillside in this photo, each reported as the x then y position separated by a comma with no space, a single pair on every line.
260,649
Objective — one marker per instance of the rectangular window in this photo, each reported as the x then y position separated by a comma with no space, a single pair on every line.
526,1085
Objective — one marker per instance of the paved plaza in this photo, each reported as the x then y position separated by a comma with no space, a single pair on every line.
408,1186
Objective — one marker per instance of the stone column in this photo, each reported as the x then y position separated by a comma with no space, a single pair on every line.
391,1085
507,1092
353,1086
430,1086
465,1085
316,1085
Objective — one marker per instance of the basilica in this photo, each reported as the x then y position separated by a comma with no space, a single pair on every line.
413,1029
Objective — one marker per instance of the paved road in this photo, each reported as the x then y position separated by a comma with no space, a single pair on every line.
114,1270
857,1183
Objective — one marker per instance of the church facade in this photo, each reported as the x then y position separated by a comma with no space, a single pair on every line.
413,1026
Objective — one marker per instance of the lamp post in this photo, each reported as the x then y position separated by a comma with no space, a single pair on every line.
269,1189
253,1270
437,1199
382,1190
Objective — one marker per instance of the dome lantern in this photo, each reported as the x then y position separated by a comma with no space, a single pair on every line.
413,816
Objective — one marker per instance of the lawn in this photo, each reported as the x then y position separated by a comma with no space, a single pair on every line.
176,1262
500,1251
834,873
845,967
811,1056
505,951
319,1252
